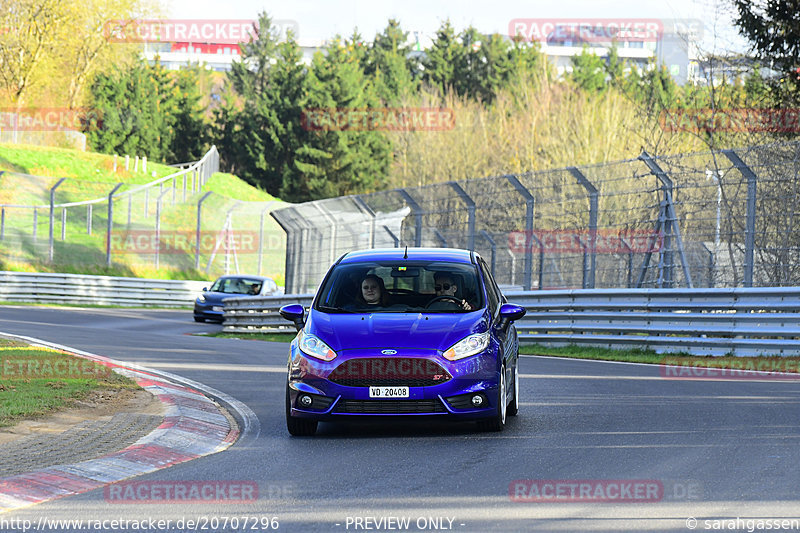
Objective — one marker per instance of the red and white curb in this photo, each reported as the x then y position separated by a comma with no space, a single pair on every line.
193,427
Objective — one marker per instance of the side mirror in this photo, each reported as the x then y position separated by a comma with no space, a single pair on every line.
205,289
509,313
294,313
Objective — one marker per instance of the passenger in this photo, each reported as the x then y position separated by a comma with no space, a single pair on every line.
444,285
255,289
373,291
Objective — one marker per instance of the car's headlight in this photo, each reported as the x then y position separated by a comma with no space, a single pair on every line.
470,345
311,345
201,299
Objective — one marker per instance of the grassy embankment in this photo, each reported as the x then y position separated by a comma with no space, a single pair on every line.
90,176
36,381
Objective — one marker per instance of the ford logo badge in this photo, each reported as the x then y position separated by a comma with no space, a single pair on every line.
388,352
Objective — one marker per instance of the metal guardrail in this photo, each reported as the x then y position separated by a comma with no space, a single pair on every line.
260,315
97,290
752,321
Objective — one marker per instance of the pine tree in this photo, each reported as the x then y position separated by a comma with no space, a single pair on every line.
388,64
342,159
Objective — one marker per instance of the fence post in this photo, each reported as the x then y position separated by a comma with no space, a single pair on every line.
471,213
199,220
393,237
63,223
89,219
750,216
541,260
110,224
52,213
415,207
529,206
670,223
710,265
592,190
35,222
2,224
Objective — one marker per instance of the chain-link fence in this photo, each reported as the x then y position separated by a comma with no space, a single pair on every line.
172,222
713,219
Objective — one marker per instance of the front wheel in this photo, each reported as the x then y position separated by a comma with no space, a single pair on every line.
513,407
298,427
498,421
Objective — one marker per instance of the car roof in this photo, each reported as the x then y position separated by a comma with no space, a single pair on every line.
452,255
245,276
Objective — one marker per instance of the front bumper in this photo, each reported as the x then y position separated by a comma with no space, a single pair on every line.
476,375
209,311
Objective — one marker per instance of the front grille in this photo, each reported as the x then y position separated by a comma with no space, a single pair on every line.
389,372
389,406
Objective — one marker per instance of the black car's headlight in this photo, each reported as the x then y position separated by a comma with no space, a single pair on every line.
311,345
469,345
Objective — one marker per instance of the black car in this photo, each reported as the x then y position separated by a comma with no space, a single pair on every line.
209,305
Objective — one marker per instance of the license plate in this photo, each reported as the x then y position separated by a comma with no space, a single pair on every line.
216,308
388,392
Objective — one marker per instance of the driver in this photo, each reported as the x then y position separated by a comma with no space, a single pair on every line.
444,285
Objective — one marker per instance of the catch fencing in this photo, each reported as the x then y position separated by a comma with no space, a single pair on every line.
172,222
753,321
711,219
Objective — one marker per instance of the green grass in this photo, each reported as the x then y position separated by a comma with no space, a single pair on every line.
91,176
784,364
635,355
271,337
233,187
37,381
76,164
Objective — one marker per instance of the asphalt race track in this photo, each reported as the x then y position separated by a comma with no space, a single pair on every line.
718,451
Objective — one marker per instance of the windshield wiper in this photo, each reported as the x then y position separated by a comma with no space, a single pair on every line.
328,308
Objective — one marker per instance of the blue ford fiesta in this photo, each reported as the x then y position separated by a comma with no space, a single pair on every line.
396,333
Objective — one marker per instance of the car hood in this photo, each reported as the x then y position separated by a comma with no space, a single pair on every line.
436,331
215,297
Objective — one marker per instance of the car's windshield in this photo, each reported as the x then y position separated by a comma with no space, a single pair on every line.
401,286
237,285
